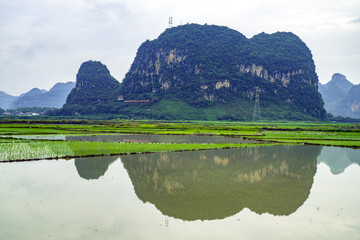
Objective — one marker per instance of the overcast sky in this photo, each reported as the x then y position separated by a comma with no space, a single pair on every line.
43,42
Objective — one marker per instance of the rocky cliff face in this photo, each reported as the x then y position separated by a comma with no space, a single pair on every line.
204,65
284,77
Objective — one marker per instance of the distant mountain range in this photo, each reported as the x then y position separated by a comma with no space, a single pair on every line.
36,97
341,97
6,100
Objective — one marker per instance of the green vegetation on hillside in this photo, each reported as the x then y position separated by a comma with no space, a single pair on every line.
95,91
185,63
204,72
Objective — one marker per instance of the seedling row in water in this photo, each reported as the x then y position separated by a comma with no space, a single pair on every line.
37,149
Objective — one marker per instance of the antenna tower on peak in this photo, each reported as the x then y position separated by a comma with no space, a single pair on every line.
170,22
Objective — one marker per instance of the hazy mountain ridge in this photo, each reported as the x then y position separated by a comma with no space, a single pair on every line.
6,100
341,97
36,97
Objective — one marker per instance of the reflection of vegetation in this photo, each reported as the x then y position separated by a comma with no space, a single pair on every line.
216,184
93,168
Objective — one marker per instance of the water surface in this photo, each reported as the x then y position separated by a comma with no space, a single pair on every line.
296,192
142,138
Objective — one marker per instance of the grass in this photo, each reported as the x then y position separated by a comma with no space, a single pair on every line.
318,137
37,149
319,133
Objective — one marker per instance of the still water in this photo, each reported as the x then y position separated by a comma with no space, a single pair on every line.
142,138
288,192
154,138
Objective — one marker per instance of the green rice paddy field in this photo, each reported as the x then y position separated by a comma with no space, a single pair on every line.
14,148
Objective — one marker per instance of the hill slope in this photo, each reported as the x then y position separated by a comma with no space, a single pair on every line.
205,69
95,90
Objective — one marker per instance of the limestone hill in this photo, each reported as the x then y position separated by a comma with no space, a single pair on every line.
209,73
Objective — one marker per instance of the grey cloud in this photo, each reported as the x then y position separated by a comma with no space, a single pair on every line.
50,39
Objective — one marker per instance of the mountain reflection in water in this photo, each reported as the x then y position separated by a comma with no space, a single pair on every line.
93,167
337,159
216,184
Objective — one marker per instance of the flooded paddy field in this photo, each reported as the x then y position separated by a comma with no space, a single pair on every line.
278,192
247,181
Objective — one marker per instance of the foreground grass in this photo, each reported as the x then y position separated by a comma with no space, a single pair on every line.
32,150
